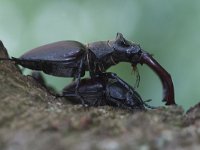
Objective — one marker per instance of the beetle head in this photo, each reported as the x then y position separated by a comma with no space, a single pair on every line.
127,50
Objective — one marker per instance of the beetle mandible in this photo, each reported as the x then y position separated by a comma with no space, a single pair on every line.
72,59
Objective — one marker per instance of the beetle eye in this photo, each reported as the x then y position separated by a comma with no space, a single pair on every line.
133,49
129,51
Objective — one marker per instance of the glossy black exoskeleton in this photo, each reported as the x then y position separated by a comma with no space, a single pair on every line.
106,89
72,59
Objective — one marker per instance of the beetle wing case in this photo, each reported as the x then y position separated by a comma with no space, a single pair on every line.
59,59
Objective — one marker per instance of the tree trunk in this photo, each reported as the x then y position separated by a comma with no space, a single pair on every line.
32,119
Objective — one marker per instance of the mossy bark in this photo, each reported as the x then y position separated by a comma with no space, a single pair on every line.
32,119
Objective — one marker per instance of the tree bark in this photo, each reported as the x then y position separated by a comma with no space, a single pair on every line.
33,119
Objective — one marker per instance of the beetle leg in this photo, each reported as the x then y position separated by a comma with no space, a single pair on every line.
136,72
78,82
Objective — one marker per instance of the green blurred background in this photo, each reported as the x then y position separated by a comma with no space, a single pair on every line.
167,29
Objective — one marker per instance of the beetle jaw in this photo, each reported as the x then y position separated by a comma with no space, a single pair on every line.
164,76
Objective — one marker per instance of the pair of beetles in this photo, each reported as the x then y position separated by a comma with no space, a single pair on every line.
73,59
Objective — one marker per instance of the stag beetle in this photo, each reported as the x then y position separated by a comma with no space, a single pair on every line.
105,90
72,59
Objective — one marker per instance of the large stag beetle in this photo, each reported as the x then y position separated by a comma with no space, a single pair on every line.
72,59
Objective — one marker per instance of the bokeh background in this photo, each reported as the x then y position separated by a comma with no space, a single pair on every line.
170,30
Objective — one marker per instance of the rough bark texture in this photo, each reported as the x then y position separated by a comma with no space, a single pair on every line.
32,119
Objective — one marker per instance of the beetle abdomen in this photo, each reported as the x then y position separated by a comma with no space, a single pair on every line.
55,68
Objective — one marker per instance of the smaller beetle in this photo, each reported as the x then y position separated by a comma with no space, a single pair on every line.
106,89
